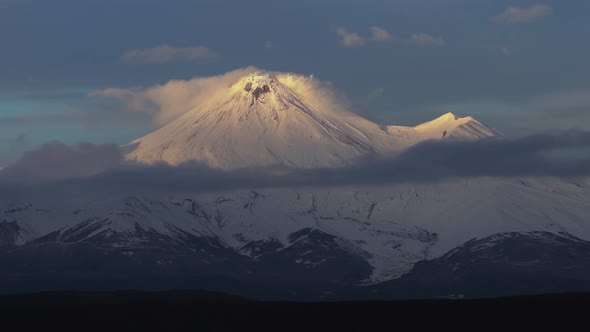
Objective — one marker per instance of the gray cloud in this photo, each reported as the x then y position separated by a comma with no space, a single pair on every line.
527,156
538,155
519,15
55,161
166,53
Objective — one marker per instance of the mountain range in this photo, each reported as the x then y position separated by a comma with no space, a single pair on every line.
409,239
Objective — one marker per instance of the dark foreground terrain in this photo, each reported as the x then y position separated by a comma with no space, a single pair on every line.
202,311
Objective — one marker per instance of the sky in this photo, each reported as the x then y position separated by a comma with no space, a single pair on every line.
518,66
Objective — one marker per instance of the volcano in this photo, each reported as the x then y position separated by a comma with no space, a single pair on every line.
276,119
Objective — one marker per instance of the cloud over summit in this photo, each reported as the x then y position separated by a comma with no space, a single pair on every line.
168,101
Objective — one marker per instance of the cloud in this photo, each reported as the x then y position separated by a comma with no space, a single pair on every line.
505,51
380,35
537,155
168,101
321,94
519,15
435,160
349,39
165,54
268,44
424,39
55,161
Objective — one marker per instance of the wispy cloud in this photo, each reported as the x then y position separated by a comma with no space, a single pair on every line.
349,39
505,51
424,39
520,15
166,102
379,34
268,44
165,54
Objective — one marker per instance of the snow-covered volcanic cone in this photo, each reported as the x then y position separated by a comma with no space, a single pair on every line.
267,119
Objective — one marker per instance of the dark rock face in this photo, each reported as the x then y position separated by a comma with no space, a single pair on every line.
102,250
248,87
315,255
502,264
92,251
9,232
314,263
259,91
12,233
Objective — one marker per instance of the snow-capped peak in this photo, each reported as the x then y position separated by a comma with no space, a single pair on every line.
447,119
276,118
447,126
449,116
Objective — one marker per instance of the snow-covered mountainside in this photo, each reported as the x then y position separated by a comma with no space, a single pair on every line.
349,235
389,228
502,264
